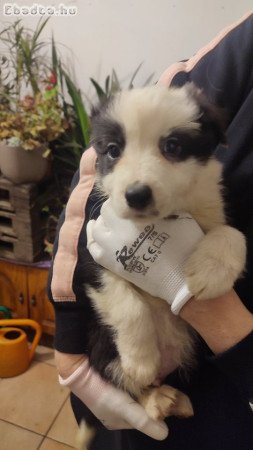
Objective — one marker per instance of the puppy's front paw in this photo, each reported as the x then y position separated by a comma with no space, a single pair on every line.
166,401
209,279
216,264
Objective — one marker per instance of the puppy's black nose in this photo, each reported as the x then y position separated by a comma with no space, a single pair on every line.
138,195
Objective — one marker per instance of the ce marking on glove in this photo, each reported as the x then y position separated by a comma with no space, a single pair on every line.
153,251
134,262
149,257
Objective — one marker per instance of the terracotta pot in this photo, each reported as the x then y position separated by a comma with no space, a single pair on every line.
23,166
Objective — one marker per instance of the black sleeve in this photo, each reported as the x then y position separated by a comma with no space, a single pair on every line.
237,364
72,318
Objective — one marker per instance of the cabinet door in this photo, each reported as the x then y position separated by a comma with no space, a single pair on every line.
13,288
40,308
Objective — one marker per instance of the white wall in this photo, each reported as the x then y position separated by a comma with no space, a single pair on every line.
119,34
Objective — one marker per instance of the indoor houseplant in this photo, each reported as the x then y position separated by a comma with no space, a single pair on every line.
30,111
26,132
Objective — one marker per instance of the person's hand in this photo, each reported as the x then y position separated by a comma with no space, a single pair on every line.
151,256
115,409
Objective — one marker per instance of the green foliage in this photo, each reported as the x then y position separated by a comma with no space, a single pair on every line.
34,118
36,121
113,85
25,65
69,148
79,107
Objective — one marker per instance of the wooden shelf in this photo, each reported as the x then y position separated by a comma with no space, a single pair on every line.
23,291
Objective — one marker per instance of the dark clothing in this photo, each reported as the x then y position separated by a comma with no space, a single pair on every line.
222,418
220,387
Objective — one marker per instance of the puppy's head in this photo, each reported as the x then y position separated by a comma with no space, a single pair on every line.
151,145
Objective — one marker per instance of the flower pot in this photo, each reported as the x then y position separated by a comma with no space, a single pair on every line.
23,166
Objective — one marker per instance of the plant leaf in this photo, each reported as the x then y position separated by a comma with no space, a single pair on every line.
55,61
41,25
79,108
100,92
107,85
115,84
130,86
149,79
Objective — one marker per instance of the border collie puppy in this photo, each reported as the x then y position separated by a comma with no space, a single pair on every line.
163,139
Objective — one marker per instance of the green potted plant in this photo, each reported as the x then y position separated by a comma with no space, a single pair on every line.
31,115
26,133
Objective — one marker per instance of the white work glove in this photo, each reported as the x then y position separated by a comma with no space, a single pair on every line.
115,409
150,256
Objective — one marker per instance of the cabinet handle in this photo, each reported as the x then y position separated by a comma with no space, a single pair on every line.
21,298
33,300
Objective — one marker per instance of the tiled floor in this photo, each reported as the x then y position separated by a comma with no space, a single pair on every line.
34,409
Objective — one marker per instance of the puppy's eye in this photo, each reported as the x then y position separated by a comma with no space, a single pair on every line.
113,150
171,147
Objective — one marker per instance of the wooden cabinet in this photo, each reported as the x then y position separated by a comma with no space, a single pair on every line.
23,290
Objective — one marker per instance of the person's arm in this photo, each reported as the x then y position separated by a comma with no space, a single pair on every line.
227,327
70,315
221,322
67,278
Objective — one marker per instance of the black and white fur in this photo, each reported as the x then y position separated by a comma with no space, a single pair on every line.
155,157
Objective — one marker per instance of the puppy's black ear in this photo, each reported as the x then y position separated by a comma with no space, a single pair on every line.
95,110
213,119
100,108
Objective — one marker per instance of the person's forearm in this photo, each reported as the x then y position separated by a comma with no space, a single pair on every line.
222,322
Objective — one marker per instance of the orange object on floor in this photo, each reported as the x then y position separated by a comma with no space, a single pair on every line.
15,353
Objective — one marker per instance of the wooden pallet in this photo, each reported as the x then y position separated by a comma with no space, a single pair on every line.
21,233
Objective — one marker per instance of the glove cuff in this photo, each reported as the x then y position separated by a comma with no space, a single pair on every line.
182,297
81,370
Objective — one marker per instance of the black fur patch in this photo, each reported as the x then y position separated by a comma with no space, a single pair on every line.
213,119
200,143
100,344
105,131
197,144
101,347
